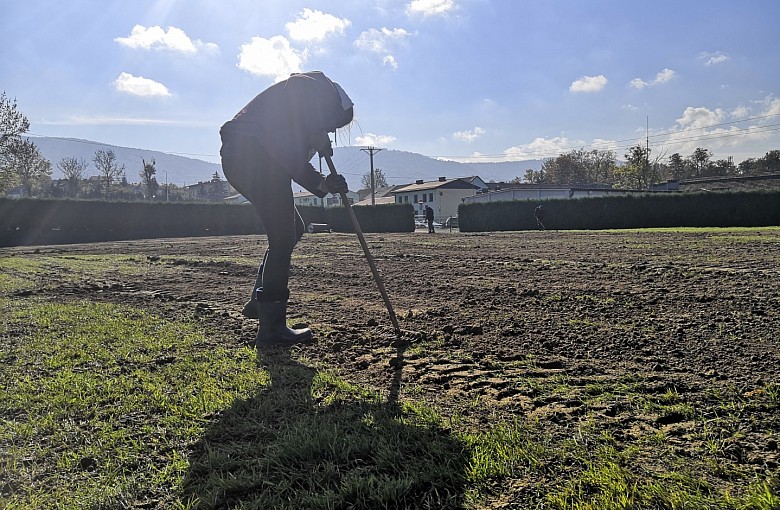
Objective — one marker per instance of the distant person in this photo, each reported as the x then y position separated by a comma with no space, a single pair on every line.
539,215
429,219
266,146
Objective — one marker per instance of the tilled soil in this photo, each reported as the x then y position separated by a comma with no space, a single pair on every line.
503,319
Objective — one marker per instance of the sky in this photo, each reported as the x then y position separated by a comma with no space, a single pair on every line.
469,80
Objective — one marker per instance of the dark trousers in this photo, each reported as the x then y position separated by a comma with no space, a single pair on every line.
269,188
430,226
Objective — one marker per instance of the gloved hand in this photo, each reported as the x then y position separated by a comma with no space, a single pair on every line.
336,183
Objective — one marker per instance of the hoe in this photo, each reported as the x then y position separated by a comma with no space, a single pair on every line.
369,258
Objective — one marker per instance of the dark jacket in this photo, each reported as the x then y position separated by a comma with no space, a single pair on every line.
290,120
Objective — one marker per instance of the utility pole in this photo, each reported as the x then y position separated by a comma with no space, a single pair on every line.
647,151
371,151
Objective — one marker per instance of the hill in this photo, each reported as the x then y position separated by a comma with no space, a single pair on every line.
181,170
398,166
403,167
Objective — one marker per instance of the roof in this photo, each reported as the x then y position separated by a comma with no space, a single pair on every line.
239,198
385,191
377,201
431,185
309,194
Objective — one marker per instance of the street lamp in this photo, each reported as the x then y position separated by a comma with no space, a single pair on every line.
166,185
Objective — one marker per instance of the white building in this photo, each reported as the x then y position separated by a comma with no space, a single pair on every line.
443,196
305,198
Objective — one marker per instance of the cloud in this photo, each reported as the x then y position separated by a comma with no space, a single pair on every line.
771,106
703,127
372,140
468,136
389,60
542,148
271,57
430,7
156,38
697,118
313,26
712,59
381,41
589,84
80,120
662,77
139,86
601,144
740,112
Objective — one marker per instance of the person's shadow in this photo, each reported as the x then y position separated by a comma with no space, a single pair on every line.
307,440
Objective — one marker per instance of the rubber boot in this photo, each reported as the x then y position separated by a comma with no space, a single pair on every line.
273,328
250,308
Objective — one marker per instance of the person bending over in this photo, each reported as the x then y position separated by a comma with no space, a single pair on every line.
266,146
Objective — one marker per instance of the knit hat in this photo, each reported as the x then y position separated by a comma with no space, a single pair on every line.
346,102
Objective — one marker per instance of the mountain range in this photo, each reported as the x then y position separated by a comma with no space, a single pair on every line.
399,167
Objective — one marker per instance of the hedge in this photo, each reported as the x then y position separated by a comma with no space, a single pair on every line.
379,218
44,221
742,209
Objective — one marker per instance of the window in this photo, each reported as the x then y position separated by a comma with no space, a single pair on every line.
415,199
430,197
425,197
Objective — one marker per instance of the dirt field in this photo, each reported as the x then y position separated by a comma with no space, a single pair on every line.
563,328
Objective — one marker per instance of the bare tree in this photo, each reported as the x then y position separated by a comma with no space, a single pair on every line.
73,171
380,181
110,171
148,178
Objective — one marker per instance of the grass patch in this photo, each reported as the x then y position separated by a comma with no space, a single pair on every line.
18,273
100,403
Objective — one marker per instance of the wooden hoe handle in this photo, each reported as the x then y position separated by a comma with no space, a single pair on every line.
362,239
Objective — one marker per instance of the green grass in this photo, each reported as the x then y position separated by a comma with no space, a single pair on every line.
100,402
47,271
109,406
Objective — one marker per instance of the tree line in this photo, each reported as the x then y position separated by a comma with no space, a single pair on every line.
640,170
22,166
